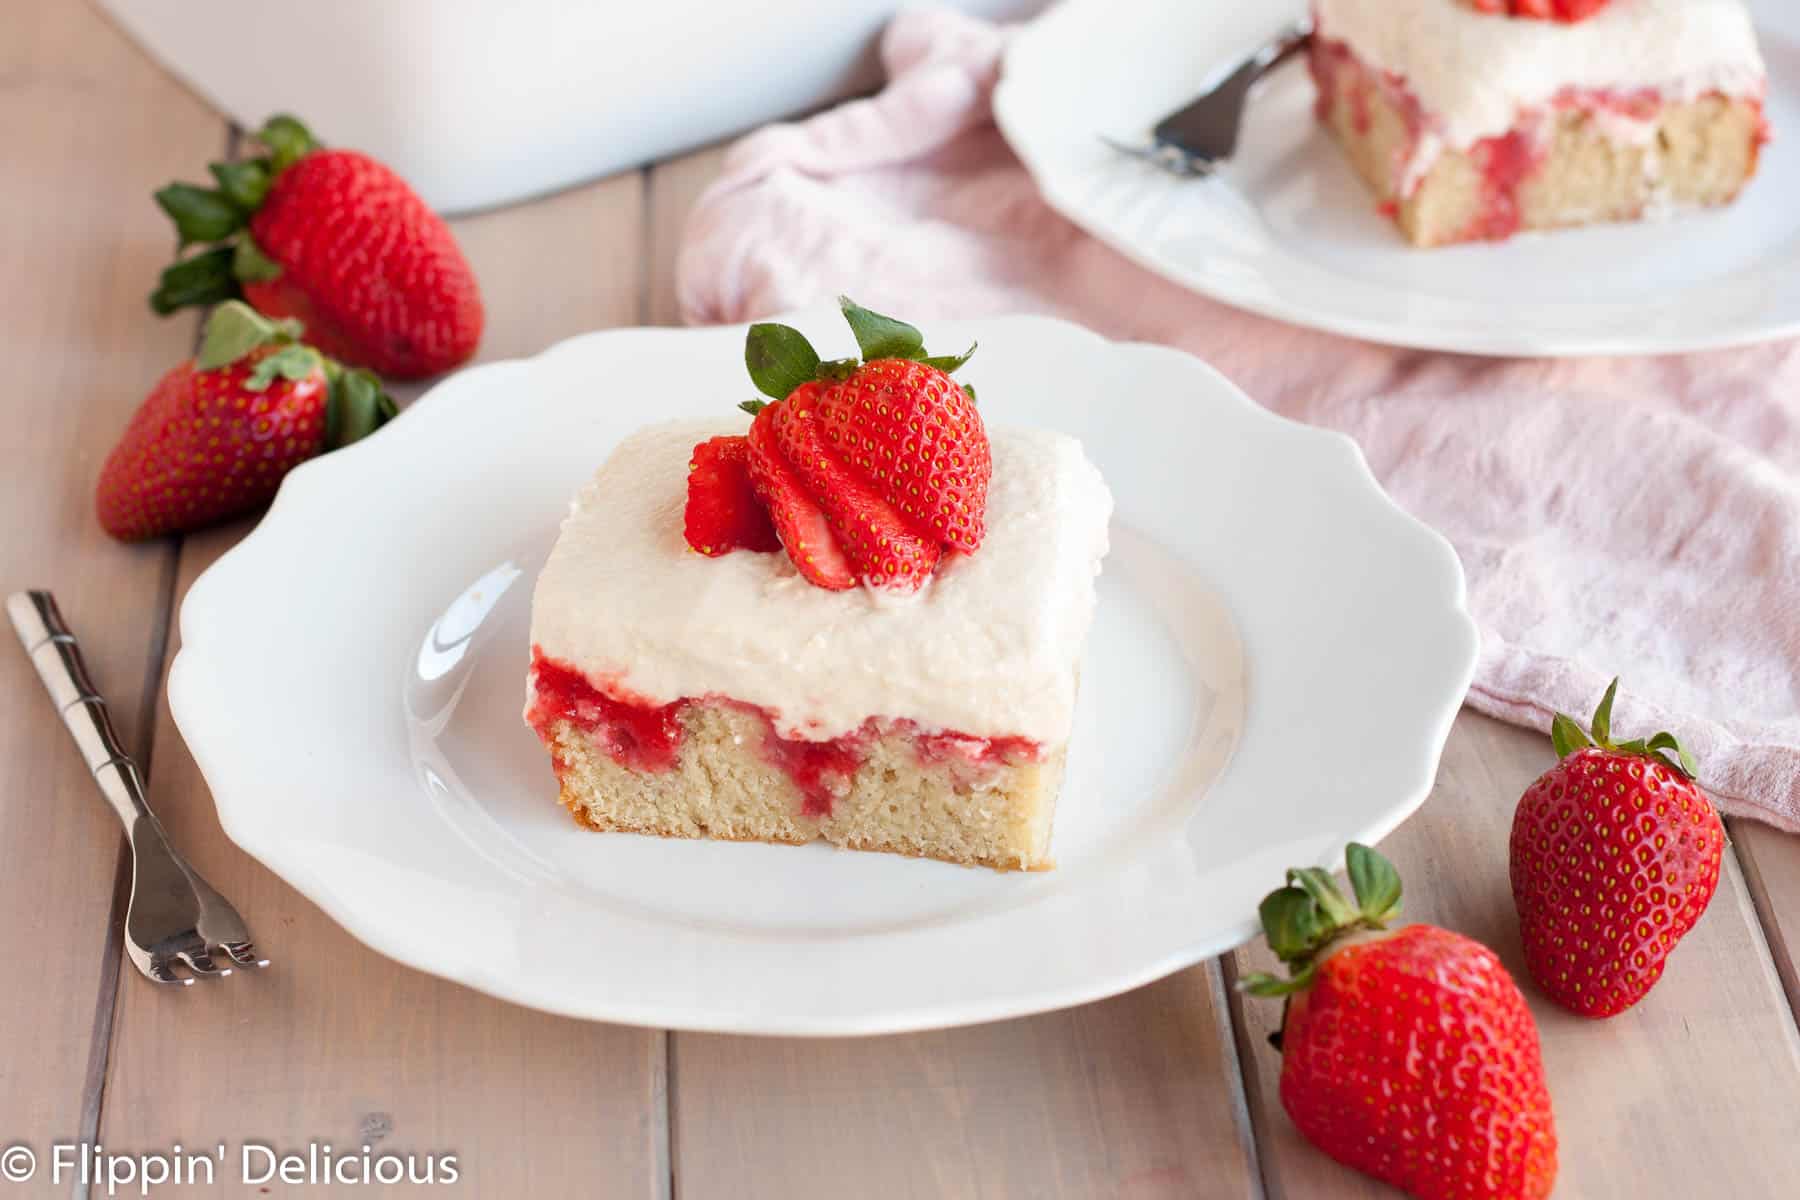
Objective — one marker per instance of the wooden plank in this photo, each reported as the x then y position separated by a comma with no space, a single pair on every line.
674,186
1688,1094
1130,1097
335,1043
91,129
1771,861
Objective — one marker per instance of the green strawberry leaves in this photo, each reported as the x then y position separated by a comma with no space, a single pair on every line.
293,363
881,337
948,363
249,264
287,140
200,214
878,336
197,280
359,406
1567,737
1375,882
244,184
356,406
1303,919
235,329
780,359
219,217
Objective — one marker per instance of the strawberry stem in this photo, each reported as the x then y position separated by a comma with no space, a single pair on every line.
1305,918
780,359
219,218
1567,737
287,139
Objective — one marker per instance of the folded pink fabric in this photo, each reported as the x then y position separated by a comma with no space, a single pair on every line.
1638,517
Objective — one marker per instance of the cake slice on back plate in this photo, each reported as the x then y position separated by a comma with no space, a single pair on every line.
1475,119
850,616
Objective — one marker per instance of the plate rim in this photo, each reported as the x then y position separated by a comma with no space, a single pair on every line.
188,704
1014,128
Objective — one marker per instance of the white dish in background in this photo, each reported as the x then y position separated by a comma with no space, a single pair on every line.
351,677
1288,230
477,103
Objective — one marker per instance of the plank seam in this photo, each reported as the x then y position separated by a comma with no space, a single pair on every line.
646,240
1767,921
666,1146
1221,976
106,1003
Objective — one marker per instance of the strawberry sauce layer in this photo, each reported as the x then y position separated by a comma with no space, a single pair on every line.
644,736
633,731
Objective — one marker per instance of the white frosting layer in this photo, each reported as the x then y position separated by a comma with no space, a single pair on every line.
1473,72
988,648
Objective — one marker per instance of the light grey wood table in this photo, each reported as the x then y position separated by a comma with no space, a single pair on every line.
1165,1091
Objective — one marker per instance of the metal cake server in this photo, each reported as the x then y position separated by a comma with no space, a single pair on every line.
175,917
1197,137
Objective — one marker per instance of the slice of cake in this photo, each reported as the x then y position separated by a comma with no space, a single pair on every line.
852,617
1470,122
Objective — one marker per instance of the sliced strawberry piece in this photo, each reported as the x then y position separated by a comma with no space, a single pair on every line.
883,548
799,522
1578,10
914,434
1567,11
723,513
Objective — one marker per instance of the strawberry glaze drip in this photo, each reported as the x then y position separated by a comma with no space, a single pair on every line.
644,736
636,733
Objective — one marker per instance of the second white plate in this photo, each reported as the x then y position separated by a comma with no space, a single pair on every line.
1287,229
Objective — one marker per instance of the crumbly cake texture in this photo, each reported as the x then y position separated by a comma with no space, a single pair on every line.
994,815
727,697
1469,125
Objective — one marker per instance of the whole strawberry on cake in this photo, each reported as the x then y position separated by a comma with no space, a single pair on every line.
1476,119
852,614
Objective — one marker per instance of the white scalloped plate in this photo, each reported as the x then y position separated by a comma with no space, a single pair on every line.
1287,230
351,676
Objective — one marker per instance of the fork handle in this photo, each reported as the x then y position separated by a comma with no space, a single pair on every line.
57,656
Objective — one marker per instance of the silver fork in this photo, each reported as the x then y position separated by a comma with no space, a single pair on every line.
175,917
1194,139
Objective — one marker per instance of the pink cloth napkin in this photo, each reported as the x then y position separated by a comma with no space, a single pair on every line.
1638,517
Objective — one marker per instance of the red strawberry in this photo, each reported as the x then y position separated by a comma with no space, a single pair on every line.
723,513
1568,11
218,433
1410,1054
890,450
912,430
799,522
335,239
882,549
1615,854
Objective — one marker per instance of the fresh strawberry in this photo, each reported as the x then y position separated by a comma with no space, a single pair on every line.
1568,11
723,513
218,433
913,430
799,522
883,550
1615,854
1407,1054
890,449
334,239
